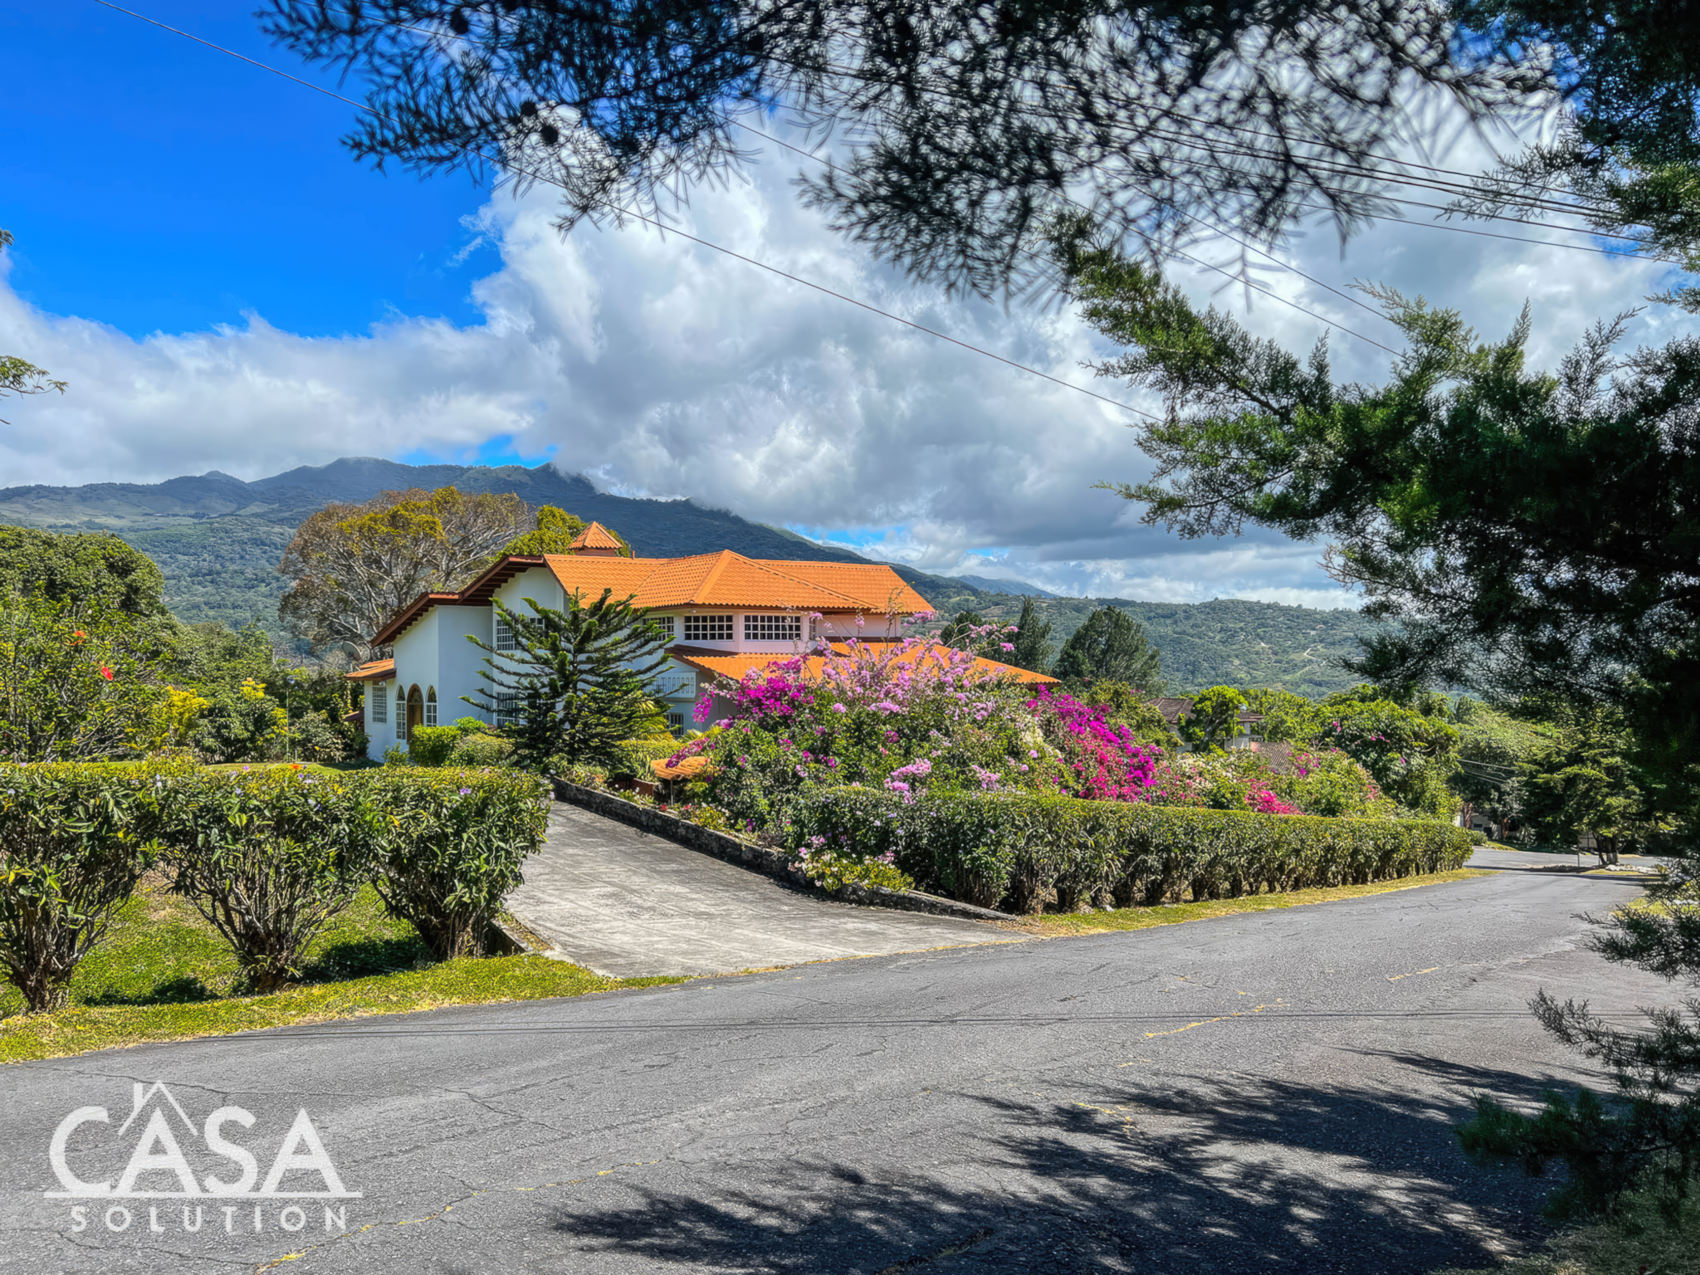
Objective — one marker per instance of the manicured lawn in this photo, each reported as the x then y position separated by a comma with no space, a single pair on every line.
164,974
1170,913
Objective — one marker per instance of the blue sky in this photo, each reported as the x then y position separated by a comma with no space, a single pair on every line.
161,186
225,288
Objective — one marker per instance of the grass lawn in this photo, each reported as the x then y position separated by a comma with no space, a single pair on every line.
162,973
1637,1241
1170,913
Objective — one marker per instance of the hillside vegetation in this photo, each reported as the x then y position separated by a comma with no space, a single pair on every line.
218,541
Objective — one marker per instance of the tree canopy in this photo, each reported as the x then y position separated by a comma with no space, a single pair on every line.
958,127
84,568
352,566
17,375
1111,647
1527,530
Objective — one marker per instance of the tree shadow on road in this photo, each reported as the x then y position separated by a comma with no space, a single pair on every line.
1221,1174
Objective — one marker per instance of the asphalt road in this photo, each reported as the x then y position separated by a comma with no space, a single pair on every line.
1273,1092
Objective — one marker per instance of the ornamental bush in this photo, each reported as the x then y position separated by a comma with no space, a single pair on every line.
74,840
1019,849
432,745
267,856
449,845
632,757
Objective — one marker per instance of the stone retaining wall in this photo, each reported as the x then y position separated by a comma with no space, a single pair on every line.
746,854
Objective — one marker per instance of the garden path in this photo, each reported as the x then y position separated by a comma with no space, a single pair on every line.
625,903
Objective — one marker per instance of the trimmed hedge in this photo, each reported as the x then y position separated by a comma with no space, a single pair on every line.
1015,850
266,854
451,847
74,840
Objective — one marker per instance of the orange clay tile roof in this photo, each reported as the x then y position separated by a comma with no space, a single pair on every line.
373,671
596,536
724,579
687,767
728,579
735,666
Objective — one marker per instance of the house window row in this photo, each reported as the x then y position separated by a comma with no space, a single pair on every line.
773,628
708,628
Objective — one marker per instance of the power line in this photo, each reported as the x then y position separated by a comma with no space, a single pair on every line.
663,226
827,160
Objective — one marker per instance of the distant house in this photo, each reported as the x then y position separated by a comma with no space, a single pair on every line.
1246,723
728,615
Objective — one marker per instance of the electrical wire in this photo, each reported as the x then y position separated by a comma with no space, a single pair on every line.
663,226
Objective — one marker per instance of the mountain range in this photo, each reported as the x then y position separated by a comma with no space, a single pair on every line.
218,540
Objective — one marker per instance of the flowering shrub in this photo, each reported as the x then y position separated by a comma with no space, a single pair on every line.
833,869
1099,761
905,717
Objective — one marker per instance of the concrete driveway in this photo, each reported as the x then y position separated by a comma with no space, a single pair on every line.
622,902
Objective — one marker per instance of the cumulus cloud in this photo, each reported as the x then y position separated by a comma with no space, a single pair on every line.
659,367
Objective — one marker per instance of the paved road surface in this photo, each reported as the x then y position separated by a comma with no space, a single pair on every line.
1269,1092
623,902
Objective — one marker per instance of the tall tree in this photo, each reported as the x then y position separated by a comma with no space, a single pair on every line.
86,568
958,126
578,682
352,566
1032,640
1111,646
1527,530
17,376
554,533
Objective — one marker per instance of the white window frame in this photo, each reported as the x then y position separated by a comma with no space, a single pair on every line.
507,708
773,628
709,627
380,697
666,624
502,636
430,706
676,721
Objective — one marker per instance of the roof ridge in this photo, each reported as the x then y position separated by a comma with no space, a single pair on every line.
766,564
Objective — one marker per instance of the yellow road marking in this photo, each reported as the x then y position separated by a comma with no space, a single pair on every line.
1220,1018
1394,978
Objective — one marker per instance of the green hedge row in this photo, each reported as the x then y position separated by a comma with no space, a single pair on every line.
1015,850
633,757
267,855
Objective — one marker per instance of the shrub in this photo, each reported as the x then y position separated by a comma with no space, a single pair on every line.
632,757
1019,849
74,840
449,847
480,749
432,745
267,857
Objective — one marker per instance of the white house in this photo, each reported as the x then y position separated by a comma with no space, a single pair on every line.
728,614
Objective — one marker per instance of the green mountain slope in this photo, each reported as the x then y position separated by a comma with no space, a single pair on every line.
218,541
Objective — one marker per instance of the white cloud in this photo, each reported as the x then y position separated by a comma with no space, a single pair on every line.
659,367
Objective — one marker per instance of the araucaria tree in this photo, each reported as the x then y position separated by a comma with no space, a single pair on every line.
578,681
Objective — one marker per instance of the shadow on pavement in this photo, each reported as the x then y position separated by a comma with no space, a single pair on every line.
1229,1174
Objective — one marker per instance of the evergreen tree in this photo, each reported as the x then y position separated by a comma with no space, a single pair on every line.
1111,646
578,682
1032,641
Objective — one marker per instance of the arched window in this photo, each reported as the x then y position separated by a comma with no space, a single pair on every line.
415,716
431,706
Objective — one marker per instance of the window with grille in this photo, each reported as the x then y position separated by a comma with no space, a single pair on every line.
504,635
675,721
380,697
708,628
773,628
431,707
507,708
664,623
